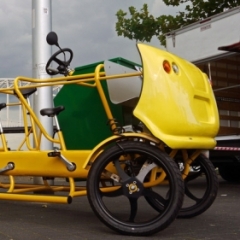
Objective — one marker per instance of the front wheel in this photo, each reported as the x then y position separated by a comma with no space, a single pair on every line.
123,176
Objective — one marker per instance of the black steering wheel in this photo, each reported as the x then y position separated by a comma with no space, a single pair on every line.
62,65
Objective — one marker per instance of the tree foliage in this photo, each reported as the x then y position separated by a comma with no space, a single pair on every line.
142,26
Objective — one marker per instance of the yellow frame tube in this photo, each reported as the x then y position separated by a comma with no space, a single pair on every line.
78,79
36,198
41,158
4,143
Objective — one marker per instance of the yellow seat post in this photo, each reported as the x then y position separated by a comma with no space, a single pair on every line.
60,135
53,112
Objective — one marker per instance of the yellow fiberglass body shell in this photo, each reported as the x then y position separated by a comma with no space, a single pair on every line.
178,107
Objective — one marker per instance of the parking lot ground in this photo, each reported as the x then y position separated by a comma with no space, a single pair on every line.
35,221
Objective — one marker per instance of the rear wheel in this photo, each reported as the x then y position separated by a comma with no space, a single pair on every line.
201,187
123,176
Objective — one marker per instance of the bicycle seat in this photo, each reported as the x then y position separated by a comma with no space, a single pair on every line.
51,112
2,105
27,92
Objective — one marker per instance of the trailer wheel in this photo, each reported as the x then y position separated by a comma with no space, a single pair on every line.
120,179
230,173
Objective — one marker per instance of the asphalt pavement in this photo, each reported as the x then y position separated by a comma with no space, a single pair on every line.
38,221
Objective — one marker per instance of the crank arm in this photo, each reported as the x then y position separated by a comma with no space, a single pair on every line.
10,166
70,166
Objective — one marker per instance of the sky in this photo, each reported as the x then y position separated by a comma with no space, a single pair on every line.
86,26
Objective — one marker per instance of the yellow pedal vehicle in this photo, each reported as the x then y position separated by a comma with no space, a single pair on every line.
134,180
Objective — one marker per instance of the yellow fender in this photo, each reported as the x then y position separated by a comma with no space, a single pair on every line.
99,148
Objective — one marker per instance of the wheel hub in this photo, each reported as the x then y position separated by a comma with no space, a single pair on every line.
133,188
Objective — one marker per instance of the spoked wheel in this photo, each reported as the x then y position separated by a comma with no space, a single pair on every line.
123,176
201,187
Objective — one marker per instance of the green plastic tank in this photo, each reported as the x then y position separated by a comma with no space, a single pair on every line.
84,121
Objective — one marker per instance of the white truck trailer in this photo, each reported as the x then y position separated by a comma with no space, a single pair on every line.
213,44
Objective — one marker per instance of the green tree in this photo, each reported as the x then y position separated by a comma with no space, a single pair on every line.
142,26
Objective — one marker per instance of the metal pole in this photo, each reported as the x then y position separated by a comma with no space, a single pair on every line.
41,52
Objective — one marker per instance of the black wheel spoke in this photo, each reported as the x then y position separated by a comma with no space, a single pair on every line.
124,177
190,195
156,200
134,207
193,176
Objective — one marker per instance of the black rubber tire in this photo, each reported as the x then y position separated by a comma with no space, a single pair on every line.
209,182
116,215
230,173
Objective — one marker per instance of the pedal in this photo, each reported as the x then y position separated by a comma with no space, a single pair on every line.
70,166
54,154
